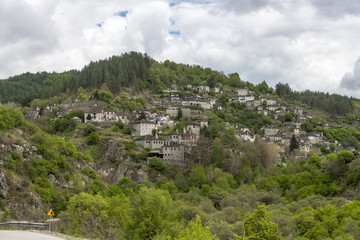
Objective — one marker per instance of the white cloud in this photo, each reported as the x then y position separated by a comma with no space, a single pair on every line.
309,44
351,81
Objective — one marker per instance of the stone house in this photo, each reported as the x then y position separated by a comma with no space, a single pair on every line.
252,104
242,92
202,88
143,127
242,128
172,110
304,147
247,136
149,141
205,104
269,102
159,119
105,117
172,89
174,153
315,138
187,112
182,137
174,98
272,107
194,127
244,99
270,131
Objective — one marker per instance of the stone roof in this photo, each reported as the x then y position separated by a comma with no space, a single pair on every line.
146,137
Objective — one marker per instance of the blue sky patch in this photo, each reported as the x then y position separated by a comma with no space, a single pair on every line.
100,24
177,33
121,13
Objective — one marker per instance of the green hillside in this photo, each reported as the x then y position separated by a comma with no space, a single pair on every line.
273,163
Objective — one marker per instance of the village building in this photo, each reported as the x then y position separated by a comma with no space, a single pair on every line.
188,112
205,104
304,147
175,153
242,128
182,137
270,131
149,141
242,92
202,88
252,104
174,98
269,102
143,127
194,127
315,138
247,136
172,110
173,89
243,99
105,117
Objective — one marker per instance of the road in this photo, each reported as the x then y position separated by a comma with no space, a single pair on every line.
25,235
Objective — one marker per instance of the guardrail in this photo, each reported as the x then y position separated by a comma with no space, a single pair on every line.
24,225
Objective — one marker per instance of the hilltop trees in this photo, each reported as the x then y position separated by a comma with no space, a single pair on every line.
332,103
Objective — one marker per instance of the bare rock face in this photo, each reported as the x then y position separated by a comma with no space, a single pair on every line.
4,151
3,189
135,172
111,151
53,180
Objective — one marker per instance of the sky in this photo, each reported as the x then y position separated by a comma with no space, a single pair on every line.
309,44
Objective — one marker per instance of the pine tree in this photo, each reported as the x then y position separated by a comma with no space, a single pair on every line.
293,143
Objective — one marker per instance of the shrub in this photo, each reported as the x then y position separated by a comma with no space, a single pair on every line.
119,124
127,130
157,164
93,138
89,172
89,129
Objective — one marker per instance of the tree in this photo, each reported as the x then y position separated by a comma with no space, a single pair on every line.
81,94
142,115
345,156
217,153
195,231
157,164
93,138
293,143
119,124
89,129
234,80
257,226
197,176
179,114
152,214
262,87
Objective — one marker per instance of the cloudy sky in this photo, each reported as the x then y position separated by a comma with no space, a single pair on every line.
310,44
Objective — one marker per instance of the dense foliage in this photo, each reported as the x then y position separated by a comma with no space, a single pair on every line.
229,189
334,104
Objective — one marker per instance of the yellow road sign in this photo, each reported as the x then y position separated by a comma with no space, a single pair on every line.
51,212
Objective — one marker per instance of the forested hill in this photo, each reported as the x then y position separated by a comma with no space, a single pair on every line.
129,69
139,72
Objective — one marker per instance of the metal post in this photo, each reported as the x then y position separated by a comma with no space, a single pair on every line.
50,224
